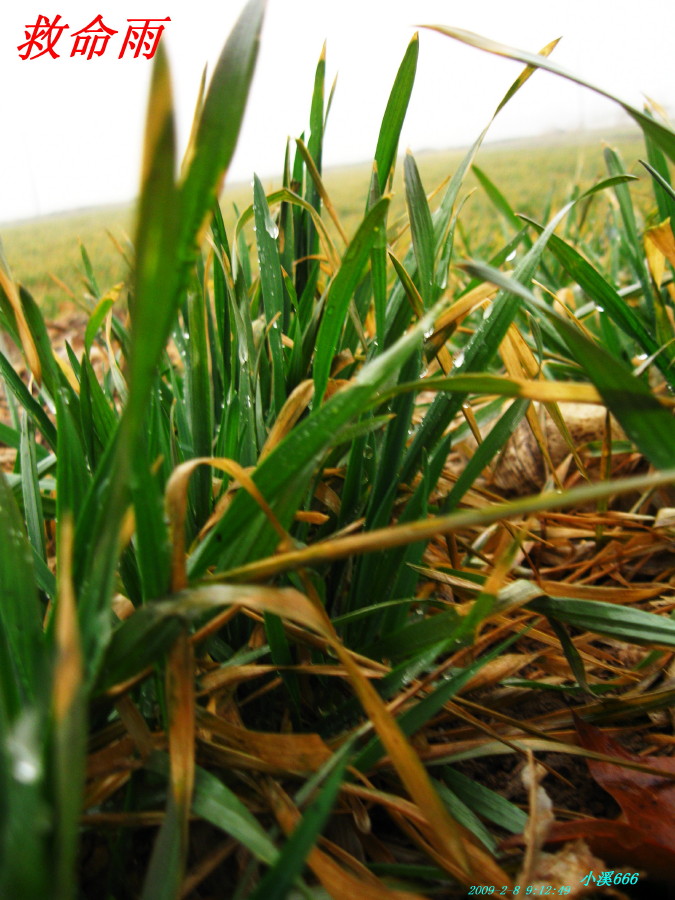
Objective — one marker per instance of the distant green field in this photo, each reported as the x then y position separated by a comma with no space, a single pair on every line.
45,254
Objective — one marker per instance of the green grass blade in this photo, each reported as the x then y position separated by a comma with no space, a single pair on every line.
157,267
631,242
612,619
219,122
397,315
52,376
69,720
216,803
284,475
20,613
415,637
393,446
92,441
10,437
415,716
400,676
25,865
138,643
422,229
486,451
499,201
32,502
278,880
378,276
662,136
267,232
487,803
526,74
27,401
601,291
414,532
465,815
152,539
640,414
283,195
572,655
103,418
156,275
615,167
306,234
496,384
666,194
389,574
164,875
280,651
340,293
199,398
317,120
25,869
90,282
72,473
220,297
477,354
96,319
169,221
394,114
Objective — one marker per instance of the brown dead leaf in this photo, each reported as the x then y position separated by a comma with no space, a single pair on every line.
566,867
643,836
300,753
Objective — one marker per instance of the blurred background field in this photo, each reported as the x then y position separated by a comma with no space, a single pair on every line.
45,253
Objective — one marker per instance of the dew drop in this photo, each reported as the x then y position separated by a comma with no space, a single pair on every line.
26,771
26,765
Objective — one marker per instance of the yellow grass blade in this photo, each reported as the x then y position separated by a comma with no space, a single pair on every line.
68,667
289,414
321,188
409,533
176,503
181,702
27,342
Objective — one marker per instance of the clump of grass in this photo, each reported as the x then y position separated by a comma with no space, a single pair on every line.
240,583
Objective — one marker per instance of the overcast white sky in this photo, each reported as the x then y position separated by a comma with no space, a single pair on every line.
72,128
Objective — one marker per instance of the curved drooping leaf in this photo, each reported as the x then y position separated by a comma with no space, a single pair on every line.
661,134
640,414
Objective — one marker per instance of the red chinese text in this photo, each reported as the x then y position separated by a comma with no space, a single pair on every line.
92,40
41,38
141,39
